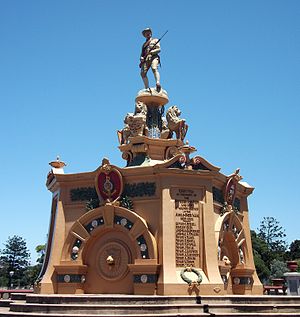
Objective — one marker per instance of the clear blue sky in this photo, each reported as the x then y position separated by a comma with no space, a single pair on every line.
69,74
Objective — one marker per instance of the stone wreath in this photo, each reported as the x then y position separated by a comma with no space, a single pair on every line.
188,280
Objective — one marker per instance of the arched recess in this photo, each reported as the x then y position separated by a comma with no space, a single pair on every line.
231,243
109,243
107,218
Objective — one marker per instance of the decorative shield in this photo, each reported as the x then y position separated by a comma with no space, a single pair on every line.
109,183
230,191
231,187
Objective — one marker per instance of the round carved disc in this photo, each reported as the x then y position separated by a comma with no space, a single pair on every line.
112,260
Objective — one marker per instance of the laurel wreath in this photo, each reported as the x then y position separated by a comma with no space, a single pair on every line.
188,280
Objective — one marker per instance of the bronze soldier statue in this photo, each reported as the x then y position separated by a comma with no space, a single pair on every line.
150,58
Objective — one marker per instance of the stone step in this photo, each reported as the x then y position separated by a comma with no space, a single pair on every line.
151,306
108,309
153,309
23,314
5,302
146,300
18,296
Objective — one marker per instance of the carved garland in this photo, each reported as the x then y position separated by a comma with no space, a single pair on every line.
188,280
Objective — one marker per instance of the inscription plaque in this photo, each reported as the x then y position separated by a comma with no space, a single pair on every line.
187,221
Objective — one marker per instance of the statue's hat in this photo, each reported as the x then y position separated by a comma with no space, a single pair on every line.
146,30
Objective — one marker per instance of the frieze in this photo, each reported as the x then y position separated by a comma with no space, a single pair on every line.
139,189
243,280
83,194
89,194
70,278
145,278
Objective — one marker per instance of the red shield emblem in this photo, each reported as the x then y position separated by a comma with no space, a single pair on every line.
230,191
109,183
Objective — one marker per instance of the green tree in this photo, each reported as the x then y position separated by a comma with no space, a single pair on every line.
32,272
14,259
260,254
274,235
41,250
278,268
294,250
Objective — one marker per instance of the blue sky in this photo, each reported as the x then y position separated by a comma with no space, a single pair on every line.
69,74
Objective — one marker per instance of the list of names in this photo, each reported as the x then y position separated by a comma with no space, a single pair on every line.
187,233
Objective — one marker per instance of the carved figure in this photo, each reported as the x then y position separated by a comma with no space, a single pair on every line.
226,260
165,132
135,124
150,58
140,108
125,132
176,124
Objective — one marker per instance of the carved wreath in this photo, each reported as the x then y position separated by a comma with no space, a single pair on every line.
188,280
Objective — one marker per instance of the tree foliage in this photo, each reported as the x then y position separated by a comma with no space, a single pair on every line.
14,259
270,249
274,235
294,250
41,250
278,268
260,253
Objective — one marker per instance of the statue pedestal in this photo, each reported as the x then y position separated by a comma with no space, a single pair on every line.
155,102
152,98
155,149
293,283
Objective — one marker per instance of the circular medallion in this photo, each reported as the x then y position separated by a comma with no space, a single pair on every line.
67,278
94,223
144,278
143,247
112,260
123,222
236,281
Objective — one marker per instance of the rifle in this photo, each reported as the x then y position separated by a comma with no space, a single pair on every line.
141,63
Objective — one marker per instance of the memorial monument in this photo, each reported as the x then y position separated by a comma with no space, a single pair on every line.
168,223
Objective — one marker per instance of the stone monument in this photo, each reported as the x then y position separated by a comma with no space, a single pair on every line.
167,223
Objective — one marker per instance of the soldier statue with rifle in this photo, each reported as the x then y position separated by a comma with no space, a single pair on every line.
150,58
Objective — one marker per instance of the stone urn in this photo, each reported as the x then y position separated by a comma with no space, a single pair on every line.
292,266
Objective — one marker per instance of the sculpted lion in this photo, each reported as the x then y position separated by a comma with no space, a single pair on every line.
176,124
135,124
